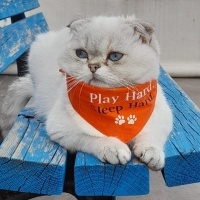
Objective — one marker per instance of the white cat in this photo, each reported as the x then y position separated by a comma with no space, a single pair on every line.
109,52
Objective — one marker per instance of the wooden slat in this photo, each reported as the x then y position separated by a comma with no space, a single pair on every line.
16,38
29,161
9,8
8,147
183,148
94,178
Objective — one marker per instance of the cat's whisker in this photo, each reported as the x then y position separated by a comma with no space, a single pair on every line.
80,94
71,86
73,82
124,83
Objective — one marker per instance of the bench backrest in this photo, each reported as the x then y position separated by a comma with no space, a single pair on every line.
16,38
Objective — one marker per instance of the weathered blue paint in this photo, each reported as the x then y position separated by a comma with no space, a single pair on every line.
16,38
29,161
94,178
183,147
9,8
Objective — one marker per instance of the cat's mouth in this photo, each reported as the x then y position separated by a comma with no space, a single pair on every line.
93,79
96,80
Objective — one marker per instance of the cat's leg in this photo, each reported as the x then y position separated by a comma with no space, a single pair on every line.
148,146
62,128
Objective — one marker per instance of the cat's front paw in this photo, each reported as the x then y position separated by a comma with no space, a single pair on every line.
113,151
152,156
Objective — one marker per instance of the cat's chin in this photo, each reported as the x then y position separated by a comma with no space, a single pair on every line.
98,83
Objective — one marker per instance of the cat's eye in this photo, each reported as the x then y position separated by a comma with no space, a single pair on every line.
115,56
81,53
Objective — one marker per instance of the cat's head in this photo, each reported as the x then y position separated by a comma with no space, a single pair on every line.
111,51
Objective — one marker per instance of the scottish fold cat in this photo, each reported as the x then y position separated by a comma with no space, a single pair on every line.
102,52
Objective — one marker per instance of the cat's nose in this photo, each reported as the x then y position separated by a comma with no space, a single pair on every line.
93,67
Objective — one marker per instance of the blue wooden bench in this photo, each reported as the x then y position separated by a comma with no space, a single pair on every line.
30,162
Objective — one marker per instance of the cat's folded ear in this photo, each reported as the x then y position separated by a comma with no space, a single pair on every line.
145,29
75,24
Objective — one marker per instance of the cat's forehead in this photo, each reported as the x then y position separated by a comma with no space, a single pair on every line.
101,33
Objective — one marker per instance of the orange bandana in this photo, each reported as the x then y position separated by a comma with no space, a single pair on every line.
118,112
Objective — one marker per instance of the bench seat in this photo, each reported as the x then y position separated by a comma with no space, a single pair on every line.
35,164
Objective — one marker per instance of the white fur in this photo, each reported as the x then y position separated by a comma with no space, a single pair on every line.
140,63
18,94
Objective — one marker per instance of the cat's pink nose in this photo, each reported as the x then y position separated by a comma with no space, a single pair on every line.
93,67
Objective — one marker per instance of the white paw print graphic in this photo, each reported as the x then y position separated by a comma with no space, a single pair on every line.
132,119
120,120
